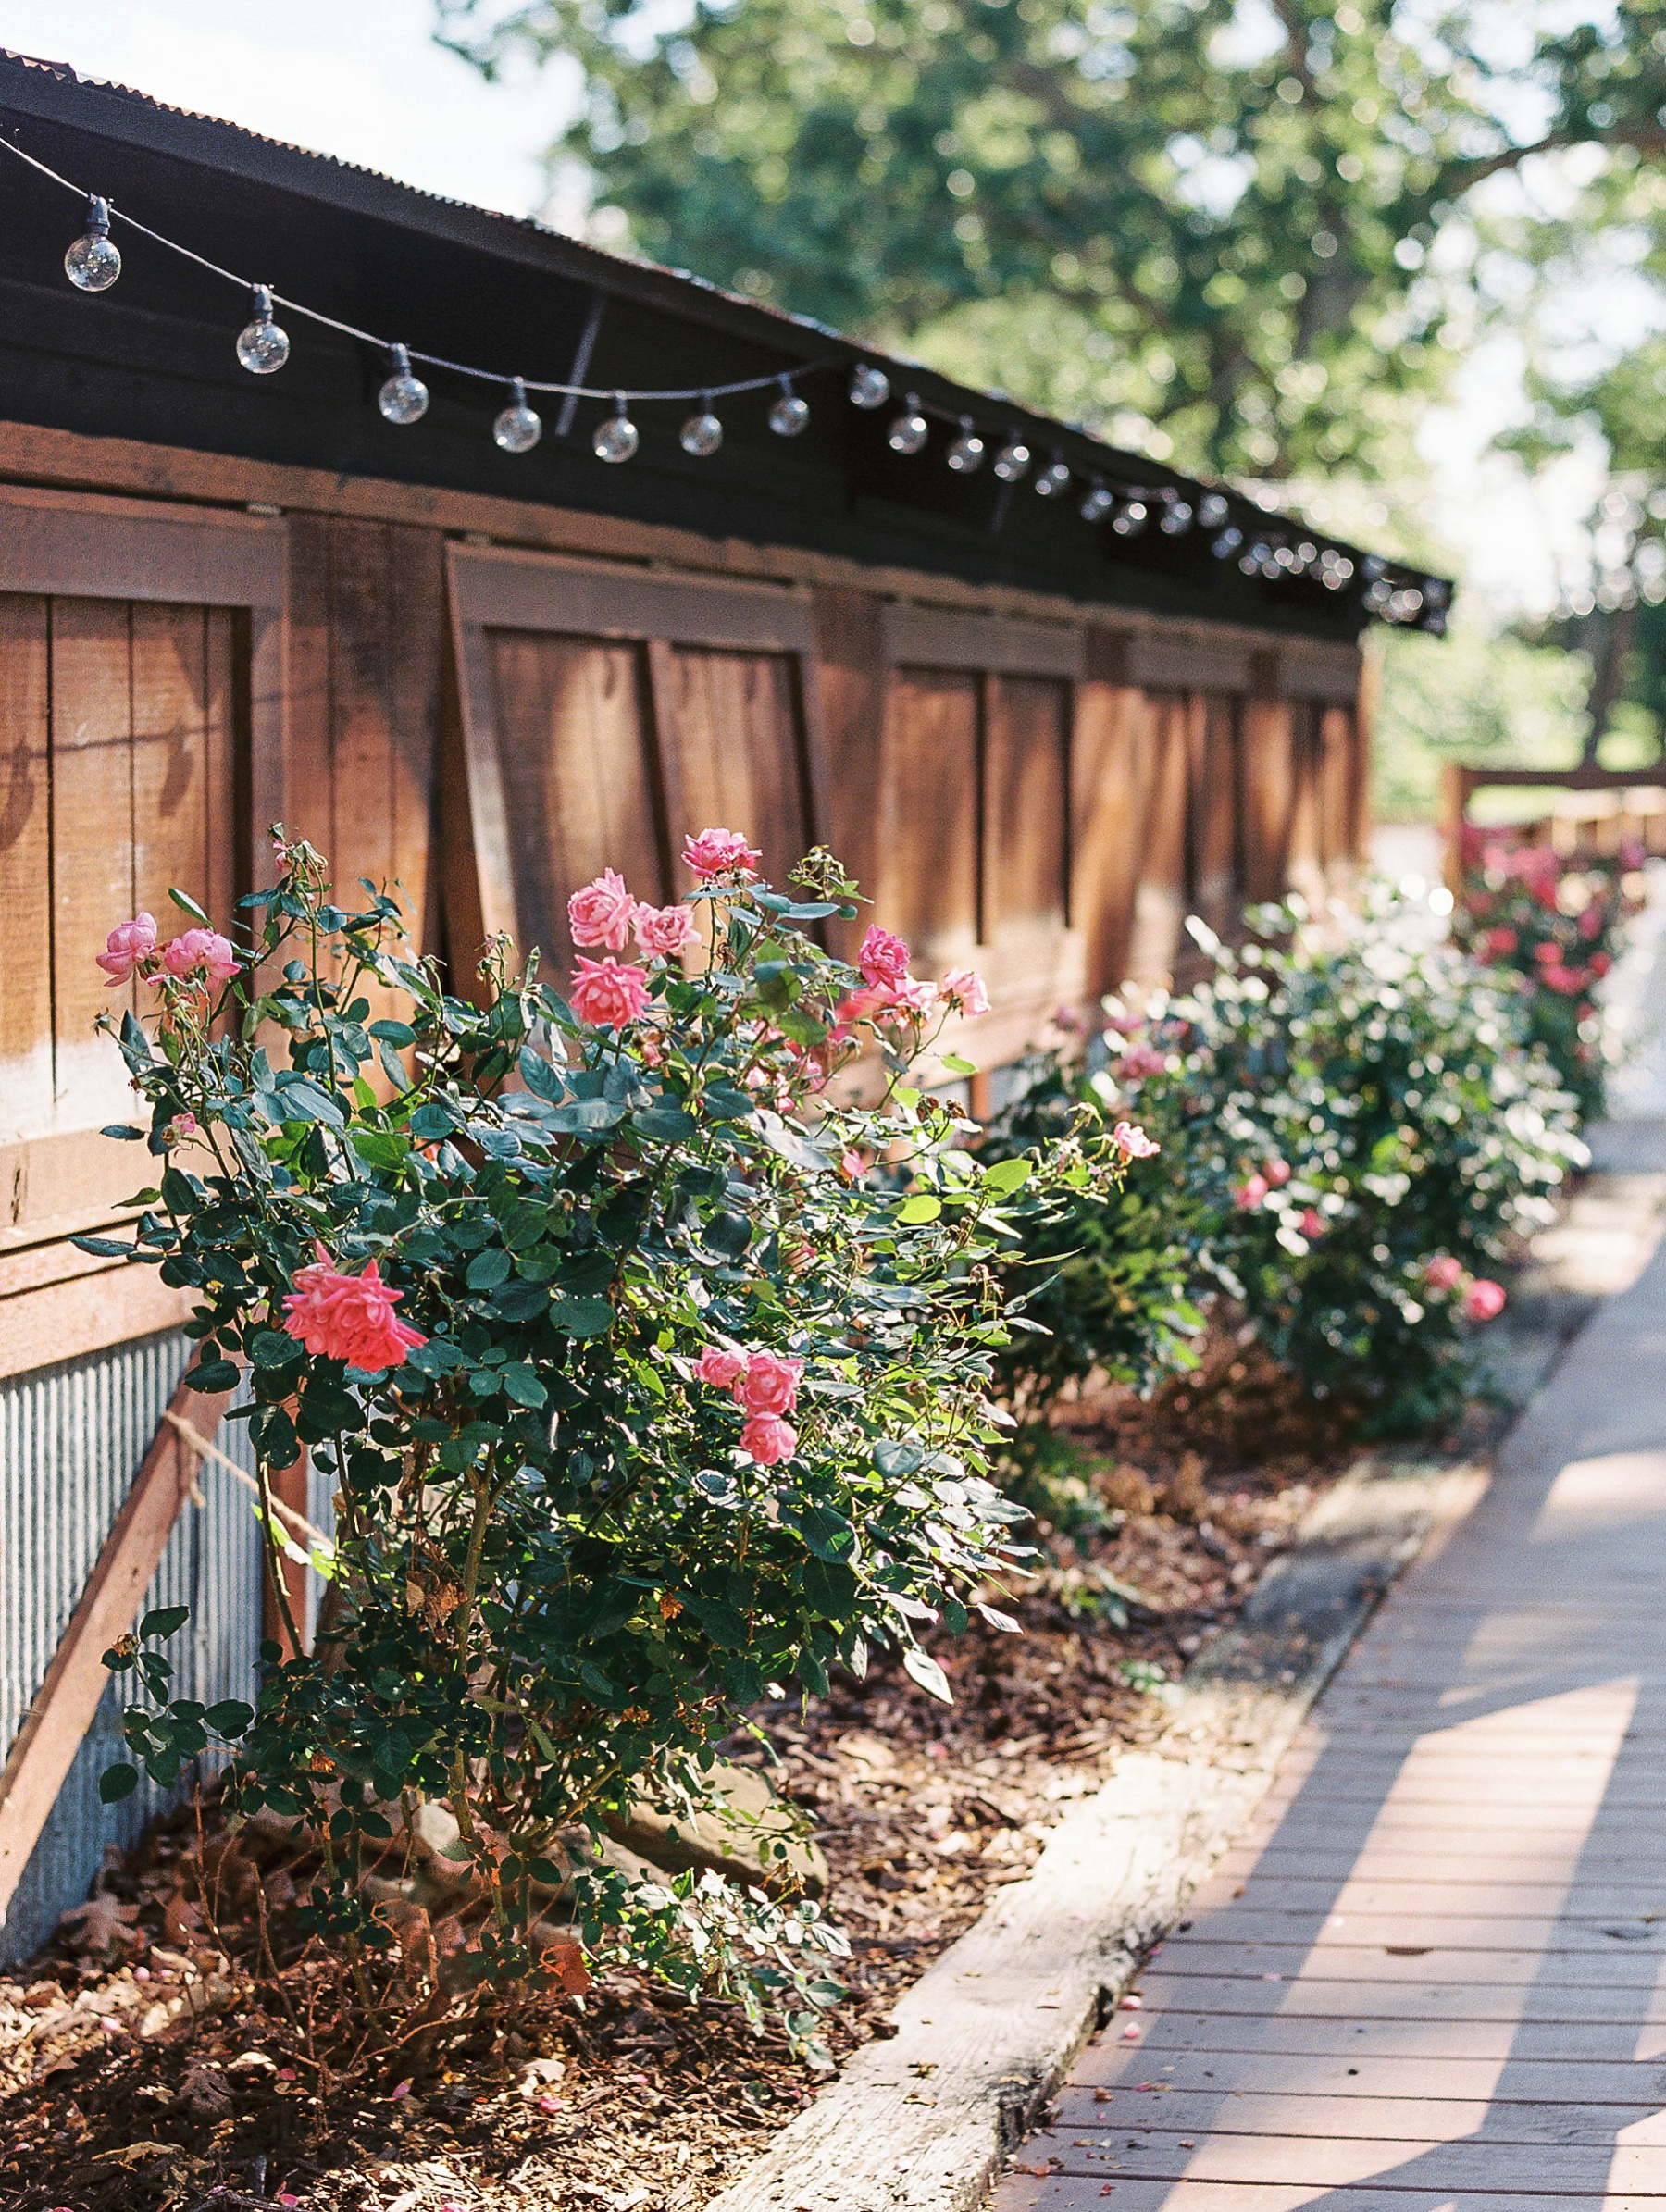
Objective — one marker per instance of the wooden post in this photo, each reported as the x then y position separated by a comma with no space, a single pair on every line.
1456,784
62,1708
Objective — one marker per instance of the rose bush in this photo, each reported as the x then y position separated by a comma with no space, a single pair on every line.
1558,927
643,1389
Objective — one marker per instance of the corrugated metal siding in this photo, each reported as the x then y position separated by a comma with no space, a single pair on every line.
71,1438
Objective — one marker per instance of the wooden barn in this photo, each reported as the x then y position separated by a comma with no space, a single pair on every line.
1040,709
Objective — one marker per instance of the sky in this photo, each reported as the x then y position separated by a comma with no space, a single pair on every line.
364,80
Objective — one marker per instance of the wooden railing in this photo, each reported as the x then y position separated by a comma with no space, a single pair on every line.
1596,810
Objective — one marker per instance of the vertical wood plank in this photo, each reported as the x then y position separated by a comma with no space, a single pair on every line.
225,766
1025,799
25,868
1161,886
851,675
927,862
1266,769
1304,858
360,706
93,884
416,628
1214,806
307,797
1104,842
170,759
740,750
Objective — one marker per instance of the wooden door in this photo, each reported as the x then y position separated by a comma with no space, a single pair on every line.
928,890
1025,816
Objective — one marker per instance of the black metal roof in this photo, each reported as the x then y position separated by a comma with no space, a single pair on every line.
152,359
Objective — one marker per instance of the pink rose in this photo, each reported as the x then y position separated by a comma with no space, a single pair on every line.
883,958
1133,1143
180,1130
1484,1300
605,995
1139,1062
600,914
1277,1172
967,992
201,948
1498,942
1443,1273
1590,922
1600,963
865,1005
770,1383
348,1317
128,943
720,852
1549,953
914,995
720,1367
769,1439
1566,980
852,1165
1310,1223
663,931
1249,1193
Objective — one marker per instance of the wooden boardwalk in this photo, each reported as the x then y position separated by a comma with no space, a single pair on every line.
1433,1973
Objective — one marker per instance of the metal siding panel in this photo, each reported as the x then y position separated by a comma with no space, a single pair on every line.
71,1438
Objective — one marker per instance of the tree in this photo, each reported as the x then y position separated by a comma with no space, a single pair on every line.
1204,222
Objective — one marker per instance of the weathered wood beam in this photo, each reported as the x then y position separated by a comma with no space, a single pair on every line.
62,1708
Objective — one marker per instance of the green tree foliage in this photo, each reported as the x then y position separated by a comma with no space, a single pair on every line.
1212,215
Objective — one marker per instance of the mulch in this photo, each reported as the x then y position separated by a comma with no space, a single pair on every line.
184,2044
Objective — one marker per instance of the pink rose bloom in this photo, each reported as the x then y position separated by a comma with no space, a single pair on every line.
1600,963
1548,953
1312,1224
1590,922
1443,1273
663,931
966,991
883,958
204,948
1484,1300
1563,979
128,943
720,852
852,1166
865,1005
1133,1143
348,1317
606,995
1277,1172
720,1367
1250,1194
600,914
1139,1062
180,1130
914,995
770,1383
1498,942
769,1439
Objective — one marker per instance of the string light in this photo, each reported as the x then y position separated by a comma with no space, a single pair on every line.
94,262
261,345
702,433
965,456
615,437
909,430
404,398
518,427
1013,459
870,386
789,414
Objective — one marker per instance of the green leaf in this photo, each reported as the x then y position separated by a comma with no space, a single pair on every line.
165,1621
921,1206
520,1383
304,1101
187,906
211,1377
431,1120
665,1125
490,1267
124,1130
928,1675
539,1076
230,1717
380,1148
1006,1176
105,1248
116,1783
724,1103
957,1066
393,1033
582,1316
588,1117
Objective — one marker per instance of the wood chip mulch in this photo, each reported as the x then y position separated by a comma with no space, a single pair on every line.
182,2044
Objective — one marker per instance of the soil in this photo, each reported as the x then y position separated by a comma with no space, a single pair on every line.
183,2043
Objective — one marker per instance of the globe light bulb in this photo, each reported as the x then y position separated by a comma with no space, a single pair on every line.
789,414
518,428
1096,502
1252,562
1212,510
1131,518
1307,553
1175,519
617,437
1054,479
1228,544
870,386
966,455
702,433
1013,459
261,345
910,430
1373,566
404,398
94,263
